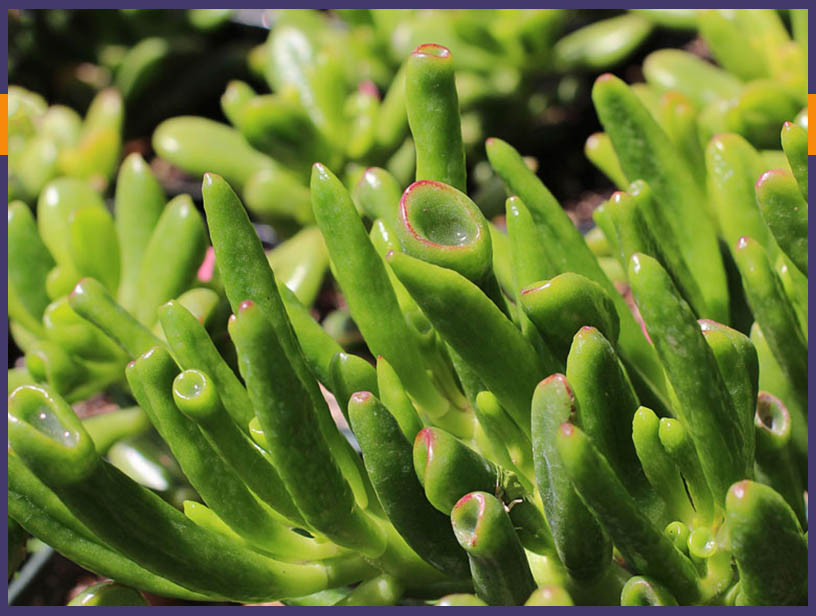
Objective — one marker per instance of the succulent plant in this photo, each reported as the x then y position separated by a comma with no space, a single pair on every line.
50,141
338,96
525,437
162,62
143,255
108,594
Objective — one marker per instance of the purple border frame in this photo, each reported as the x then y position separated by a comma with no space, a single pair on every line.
471,4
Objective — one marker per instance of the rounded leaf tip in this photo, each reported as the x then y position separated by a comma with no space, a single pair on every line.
360,396
432,49
739,490
767,176
567,429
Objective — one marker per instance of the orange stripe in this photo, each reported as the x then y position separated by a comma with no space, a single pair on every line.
811,136
4,126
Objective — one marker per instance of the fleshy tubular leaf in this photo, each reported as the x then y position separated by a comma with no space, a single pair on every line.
674,438
773,311
733,166
528,256
199,146
192,348
794,143
786,213
704,83
48,436
603,43
706,409
772,379
739,367
295,443
94,245
580,541
77,335
350,374
774,462
368,291
58,200
433,114
734,48
92,301
137,523
295,62
460,600
559,307
45,516
151,377
396,400
549,596
448,469
646,152
441,225
598,149
279,127
171,258
247,276
568,252
237,94
511,369
138,204
389,461
109,594
767,577
377,194
643,591
300,262
196,395
643,546
498,565
605,404
29,261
